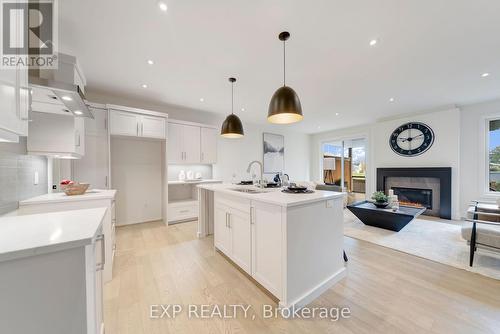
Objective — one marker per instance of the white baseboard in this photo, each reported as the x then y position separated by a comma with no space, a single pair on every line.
316,291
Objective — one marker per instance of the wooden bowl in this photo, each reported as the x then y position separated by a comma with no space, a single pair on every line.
75,189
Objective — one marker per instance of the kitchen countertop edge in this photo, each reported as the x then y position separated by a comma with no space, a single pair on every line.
44,247
95,194
291,201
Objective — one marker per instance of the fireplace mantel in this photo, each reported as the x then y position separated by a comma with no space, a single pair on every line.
441,173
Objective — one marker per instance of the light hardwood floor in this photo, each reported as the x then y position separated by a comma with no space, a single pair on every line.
386,291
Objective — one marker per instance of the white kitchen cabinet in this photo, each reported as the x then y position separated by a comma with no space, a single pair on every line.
241,247
51,273
153,127
14,96
80,136
222,233
61,136
190,143
56,202
183,143
182,210
125,123
208,145
266,246
175,143
250,233
93,168
232,222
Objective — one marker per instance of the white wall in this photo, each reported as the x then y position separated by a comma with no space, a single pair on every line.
445,152
234,155
473,151
136,169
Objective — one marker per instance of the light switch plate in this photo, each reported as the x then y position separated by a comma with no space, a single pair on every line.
329,203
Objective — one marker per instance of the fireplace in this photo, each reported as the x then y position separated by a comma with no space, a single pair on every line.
429,187
414,197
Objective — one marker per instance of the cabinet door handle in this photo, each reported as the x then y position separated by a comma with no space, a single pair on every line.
229,220
252,215
142,129
100,238
137,130
202,156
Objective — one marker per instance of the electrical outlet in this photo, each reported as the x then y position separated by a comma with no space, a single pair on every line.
329,203
54,187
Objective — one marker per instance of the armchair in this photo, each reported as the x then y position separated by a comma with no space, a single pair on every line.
485,230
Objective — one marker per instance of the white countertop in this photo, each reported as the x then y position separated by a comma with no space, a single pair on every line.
23,236
274,195
202,181
92,194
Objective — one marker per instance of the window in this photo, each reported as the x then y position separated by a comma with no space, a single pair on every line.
494,155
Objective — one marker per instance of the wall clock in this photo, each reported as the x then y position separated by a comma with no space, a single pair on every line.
411,139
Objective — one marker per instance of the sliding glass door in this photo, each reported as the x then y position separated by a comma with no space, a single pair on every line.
344,165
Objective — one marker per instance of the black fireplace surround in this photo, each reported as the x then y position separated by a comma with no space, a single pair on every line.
441,173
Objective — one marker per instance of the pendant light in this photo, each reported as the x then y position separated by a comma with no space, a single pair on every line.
232,127
284,107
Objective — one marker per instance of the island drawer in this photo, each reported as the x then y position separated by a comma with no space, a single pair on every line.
241,204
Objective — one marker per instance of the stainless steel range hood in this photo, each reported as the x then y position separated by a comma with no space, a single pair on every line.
59,91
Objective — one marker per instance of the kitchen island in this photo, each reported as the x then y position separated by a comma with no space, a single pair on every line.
291,244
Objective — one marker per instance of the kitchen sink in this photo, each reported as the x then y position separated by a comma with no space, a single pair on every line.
249,190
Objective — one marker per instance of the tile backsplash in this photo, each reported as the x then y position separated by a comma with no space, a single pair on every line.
17,175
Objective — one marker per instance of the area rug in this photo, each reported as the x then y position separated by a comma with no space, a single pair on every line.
436,240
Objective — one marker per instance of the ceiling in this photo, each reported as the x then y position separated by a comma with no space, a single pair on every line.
430,53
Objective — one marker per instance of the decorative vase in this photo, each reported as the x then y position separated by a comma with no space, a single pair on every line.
381,205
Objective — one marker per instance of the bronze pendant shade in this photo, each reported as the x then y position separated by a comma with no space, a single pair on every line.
232,126
284,107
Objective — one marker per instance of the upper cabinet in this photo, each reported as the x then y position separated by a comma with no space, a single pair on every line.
191,144
183,143
153,127
61,136
93,168
14,100
123,123
208,145
130,123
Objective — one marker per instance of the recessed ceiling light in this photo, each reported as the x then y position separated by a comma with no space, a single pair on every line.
78,112
150,62
144,86
336,114
163,6
319,127
392,99
242,109
484,75
373,42
67,98
202,99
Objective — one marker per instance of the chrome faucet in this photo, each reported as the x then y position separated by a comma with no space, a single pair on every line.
261,182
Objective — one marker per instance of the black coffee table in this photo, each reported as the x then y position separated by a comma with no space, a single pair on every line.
369,214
